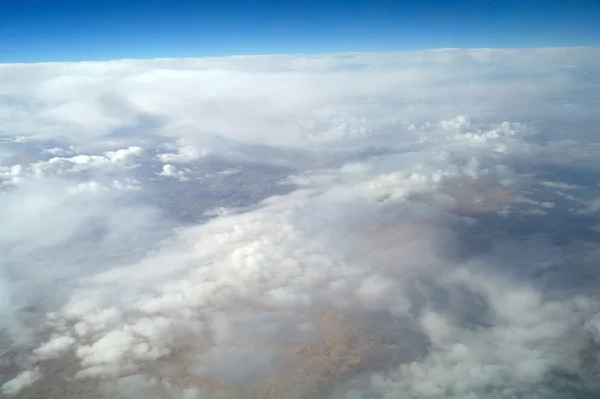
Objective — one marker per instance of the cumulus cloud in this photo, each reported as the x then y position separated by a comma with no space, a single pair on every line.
172,171
408,234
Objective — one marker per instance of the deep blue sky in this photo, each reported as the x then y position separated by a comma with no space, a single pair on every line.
55,30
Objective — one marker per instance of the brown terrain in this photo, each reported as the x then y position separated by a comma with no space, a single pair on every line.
346,347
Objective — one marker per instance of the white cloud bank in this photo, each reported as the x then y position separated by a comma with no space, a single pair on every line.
410,252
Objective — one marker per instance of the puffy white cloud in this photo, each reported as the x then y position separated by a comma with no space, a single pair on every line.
74,166
126,155
172,171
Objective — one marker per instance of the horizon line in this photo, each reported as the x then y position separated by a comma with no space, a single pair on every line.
305,54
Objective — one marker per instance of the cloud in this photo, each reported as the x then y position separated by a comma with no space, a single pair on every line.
23,380
184,154
54,348
386,225
172,171
561,185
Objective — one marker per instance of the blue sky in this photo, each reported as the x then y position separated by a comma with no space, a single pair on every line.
57,30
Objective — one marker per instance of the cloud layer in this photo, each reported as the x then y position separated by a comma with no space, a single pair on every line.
419,225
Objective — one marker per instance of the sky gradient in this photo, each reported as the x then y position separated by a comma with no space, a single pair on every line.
74,30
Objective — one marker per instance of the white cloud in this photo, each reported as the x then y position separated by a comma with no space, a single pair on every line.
11,174
185,153
125,156
413,183
20,382
172,171
57,152
91,187
54,348
561,185
128,184
94,98
74,166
